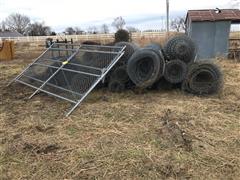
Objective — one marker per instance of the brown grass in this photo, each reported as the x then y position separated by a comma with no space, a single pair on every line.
235,34
143,40
153,135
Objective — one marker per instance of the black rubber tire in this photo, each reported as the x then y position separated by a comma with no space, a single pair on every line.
180,47
129,50
175,71
144,67
120,74
116,86
158,49
203,78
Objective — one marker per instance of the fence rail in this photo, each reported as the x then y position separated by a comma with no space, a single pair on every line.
84,37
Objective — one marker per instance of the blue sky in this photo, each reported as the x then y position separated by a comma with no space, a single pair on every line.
143,14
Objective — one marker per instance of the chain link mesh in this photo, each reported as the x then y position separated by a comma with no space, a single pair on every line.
68,71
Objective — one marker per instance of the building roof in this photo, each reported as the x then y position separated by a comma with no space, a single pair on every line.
214,15
6,34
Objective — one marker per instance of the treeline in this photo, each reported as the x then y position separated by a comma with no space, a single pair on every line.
23,25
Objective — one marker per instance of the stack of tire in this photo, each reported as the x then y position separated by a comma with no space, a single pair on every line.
163,68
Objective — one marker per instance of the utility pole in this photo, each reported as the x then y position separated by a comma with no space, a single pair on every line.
167,21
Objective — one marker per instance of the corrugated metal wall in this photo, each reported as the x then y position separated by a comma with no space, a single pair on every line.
210,37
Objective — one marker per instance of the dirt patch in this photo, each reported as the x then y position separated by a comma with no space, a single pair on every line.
172,132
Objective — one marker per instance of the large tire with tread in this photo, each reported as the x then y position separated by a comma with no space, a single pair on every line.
144,68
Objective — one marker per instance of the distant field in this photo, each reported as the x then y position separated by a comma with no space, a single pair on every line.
140,38
132,135
104,38
235,34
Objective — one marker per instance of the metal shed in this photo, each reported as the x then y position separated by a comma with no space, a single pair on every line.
210,30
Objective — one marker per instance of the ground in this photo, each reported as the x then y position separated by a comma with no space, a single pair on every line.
147,135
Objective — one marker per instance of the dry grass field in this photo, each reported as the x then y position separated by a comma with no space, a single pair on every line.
147,135
235,34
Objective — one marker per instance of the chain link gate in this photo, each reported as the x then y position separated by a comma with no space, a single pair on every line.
70,71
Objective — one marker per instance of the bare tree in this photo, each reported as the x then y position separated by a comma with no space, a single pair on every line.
78,30
105,29
92,30
17,22
178,24
39,29
70,31
53,33
119,23
132,29
3,26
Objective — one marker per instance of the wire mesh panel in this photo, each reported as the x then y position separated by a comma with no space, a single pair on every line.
70,71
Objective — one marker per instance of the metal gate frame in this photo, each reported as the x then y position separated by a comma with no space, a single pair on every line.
79,48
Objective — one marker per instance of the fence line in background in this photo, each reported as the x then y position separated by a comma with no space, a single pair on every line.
84,37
